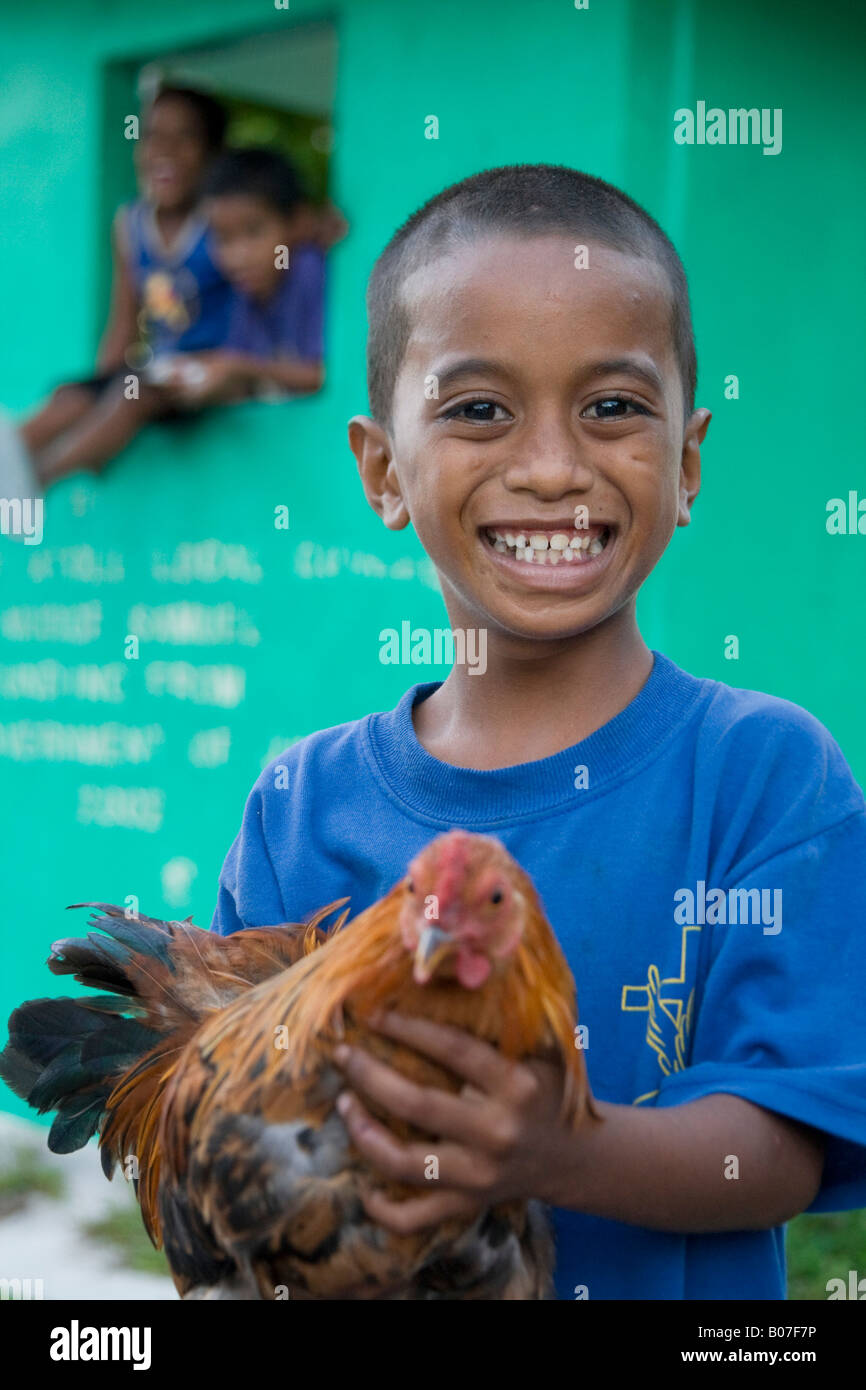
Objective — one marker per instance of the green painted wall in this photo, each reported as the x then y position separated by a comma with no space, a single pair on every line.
772,245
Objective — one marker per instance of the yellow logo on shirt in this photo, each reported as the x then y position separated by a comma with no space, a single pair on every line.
669,1011
162,302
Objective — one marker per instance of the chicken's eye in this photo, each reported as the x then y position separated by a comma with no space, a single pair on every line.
410,885
496,896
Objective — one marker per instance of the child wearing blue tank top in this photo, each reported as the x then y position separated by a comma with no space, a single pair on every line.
168,294
191,322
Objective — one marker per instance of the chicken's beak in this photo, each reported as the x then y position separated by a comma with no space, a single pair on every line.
434,945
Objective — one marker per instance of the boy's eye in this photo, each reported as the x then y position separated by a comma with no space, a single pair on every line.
478,412
613,408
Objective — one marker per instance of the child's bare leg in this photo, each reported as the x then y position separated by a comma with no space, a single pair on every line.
103,432
63,409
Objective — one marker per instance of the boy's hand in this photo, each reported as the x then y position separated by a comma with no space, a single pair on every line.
659,1167
500,1138
206,378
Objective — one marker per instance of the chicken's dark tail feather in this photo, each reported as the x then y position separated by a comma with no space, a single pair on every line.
160,978
66,1055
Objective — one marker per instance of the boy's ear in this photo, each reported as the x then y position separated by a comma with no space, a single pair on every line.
690,463
301,224
372,449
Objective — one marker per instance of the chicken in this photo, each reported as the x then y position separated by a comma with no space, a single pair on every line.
207,1069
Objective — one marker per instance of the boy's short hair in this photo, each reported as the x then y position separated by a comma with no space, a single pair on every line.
211,113
516,200
255,173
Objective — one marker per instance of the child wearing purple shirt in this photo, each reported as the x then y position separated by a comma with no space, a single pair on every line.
289,322
262,238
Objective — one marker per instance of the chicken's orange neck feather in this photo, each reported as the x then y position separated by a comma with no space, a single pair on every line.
526,1007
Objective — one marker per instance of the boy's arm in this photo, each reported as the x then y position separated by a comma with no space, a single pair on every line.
717,1163
215,378
122,325
292,374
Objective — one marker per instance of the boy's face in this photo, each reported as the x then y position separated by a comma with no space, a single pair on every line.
246,233
171,155
559,400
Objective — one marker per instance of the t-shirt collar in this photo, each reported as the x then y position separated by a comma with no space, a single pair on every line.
451,795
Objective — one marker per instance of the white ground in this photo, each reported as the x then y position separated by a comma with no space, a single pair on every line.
44,1241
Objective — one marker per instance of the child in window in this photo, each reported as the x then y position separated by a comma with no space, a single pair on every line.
168,295
268,242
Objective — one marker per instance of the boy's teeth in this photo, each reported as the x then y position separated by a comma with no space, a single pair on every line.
537,548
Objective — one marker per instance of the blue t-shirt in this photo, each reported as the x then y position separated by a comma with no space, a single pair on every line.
185,299
641,840
290,322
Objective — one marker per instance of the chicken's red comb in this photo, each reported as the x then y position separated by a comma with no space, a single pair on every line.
452,856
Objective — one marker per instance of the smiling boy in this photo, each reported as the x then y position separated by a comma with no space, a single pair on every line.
527,397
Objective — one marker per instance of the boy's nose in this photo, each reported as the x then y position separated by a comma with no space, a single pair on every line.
549,461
